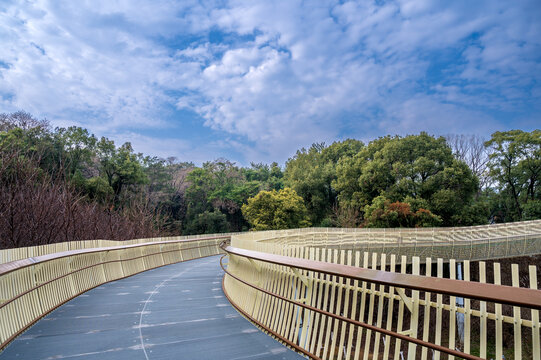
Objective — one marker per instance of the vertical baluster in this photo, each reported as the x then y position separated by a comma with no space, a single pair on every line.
390,311
370,319
499,324
377,337
535,317
516,316
483,315
403,263
426,314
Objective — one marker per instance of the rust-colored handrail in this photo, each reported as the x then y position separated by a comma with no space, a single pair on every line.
501,294
338,317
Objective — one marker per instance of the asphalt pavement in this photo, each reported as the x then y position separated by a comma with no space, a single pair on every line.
177,311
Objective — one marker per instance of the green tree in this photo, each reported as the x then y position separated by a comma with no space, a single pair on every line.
416,166
219,186
121,167
354,192
282,209
311,174
208,222
269,177
79,148
515,166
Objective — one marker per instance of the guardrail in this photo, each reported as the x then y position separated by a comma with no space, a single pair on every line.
315,301
465,243
31,288
329,293
8,255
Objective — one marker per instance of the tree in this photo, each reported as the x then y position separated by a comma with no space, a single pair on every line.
269,177
208,222
416,166
471,149
311,174
515,166
384,214
121,167
79,147
273,210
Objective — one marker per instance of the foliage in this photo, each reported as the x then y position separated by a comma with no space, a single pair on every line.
274,210
532,210
311,174
72,185
208,223
515,166
220,186
416,166
382,213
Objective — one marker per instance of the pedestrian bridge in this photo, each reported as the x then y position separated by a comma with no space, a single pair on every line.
319,293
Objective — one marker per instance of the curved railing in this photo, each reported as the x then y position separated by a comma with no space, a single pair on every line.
9,255
330,299
31,288
482,242
328,293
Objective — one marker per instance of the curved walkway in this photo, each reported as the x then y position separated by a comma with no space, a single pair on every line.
174,312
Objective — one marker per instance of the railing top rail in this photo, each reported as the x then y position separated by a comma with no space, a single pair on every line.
18,264
502,294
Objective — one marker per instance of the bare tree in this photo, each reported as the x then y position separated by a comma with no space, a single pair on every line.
37,209
346,216
471,149
21,119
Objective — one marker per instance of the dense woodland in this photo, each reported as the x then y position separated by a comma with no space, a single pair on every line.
65,184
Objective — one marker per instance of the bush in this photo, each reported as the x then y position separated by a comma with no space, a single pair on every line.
274,210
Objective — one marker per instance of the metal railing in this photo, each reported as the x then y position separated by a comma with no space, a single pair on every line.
9,255
31,288
309,299
328,293
462,243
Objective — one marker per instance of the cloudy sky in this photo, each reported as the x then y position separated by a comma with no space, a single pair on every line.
256,80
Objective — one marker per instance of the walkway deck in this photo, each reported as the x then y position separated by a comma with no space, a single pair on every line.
174,312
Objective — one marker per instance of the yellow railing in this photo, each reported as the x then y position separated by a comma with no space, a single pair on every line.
8,255
461,243
330,316
32,287
322,314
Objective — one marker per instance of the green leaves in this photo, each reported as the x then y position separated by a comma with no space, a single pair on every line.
274,210
384,214
515,166
311,174
416,166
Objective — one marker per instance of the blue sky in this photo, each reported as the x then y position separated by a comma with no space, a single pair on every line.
257,80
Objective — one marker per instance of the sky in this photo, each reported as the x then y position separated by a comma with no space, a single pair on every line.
253,81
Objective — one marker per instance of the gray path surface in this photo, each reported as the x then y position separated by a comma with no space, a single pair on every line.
174,312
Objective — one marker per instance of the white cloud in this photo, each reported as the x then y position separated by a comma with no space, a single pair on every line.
278,75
